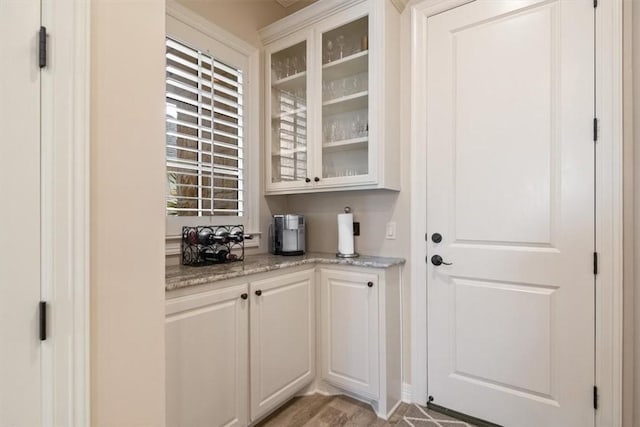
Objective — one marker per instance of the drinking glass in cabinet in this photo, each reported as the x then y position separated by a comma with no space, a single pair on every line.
345,161
345,41
289,62
346,86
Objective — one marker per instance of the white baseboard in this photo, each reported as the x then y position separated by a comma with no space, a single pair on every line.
407,394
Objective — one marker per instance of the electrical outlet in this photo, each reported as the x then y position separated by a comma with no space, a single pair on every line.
390,233
356,228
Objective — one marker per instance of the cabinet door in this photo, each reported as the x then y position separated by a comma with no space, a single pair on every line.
282,339
345,154
207,359
350,343
287,149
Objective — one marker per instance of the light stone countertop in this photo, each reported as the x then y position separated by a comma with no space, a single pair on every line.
179,276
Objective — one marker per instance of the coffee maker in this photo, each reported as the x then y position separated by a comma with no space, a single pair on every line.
286,235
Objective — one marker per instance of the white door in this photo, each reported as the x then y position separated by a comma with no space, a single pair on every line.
283,336
350,344
20,214
207,359
510,189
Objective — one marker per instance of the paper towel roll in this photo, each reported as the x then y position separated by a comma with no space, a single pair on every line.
345,233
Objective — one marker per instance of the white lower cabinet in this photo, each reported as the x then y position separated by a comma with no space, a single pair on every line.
212,379
282,339
207,358
349,315
236,350
360,334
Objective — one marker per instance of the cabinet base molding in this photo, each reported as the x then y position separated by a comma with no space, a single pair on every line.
326,389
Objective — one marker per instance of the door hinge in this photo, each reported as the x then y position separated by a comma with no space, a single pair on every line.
42,47
43,320
595,129
595,263
595,397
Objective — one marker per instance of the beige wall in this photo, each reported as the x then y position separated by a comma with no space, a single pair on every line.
127,213
243,17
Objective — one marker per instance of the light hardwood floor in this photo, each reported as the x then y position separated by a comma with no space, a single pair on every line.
329,411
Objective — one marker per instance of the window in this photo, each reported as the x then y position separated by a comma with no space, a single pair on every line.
212,107
204,134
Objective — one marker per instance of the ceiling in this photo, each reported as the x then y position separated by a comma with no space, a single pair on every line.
286,3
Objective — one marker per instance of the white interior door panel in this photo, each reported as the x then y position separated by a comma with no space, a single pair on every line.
20,354
510,187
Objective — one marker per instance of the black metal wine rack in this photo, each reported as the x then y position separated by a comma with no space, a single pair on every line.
206,245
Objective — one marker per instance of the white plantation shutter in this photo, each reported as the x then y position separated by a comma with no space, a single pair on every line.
204,134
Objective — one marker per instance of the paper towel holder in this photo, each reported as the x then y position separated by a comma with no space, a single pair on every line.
347,209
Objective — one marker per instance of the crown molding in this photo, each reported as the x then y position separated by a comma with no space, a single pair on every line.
304,18
400,4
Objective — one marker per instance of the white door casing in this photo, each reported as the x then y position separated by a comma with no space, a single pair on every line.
20,352
510,187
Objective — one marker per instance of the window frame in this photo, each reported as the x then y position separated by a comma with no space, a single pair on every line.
191,29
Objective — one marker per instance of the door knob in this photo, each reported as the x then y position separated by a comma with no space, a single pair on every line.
436,237
437,260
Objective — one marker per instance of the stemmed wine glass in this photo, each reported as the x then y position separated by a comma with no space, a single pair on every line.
329,51
340,43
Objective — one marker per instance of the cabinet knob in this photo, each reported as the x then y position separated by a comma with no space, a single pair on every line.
244,296
316,179
370,284
307,180
258,292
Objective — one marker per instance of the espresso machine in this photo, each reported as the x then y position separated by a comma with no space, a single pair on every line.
286,235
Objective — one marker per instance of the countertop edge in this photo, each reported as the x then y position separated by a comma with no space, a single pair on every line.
175,283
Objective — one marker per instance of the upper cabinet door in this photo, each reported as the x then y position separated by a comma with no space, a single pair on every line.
287,77
345,155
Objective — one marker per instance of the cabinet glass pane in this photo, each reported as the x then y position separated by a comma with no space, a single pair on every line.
345,100
289,114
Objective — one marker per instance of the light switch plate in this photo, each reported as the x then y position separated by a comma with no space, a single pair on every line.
390,233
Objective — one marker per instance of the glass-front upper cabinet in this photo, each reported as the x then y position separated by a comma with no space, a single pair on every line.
333,110
289,145
345,101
